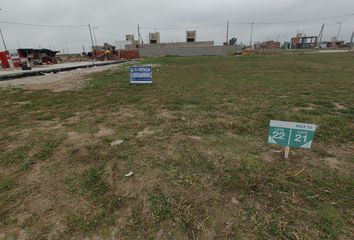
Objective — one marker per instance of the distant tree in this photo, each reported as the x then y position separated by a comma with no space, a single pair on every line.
233,41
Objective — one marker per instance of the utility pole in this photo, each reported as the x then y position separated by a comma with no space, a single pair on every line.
227,33
94,34
67,50
89,26
340,27
140,39
3,40
351,41
320,35
251,35
2,37
138,34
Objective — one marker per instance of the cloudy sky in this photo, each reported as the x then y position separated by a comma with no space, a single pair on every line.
115,18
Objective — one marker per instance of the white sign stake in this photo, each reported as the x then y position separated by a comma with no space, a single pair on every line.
287,152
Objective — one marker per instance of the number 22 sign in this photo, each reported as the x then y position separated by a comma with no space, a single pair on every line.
289,134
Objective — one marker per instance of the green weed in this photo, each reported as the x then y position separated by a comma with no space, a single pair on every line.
160,206
92,181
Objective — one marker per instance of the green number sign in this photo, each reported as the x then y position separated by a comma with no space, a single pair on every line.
288,134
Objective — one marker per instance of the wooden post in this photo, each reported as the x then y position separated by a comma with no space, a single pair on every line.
287,152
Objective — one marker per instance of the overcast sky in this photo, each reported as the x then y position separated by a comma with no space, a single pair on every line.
115,18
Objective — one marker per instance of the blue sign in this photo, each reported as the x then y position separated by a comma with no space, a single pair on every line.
141,75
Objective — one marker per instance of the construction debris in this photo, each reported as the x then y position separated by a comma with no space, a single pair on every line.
130,174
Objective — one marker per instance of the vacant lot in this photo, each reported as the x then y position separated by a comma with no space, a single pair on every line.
196,142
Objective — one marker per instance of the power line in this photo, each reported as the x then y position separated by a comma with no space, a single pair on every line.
42,25
108,33
349,15
179,28
339,18
242,23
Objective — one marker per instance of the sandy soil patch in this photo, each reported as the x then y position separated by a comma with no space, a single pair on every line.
166,115
273,155
125,113
195,138
78,139
310,107
146,132
103,132
340,106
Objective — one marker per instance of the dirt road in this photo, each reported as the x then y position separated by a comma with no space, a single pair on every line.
62,81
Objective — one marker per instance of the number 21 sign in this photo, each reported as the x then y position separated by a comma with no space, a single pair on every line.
289,134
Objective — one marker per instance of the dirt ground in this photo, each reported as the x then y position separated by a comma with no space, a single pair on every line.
59,82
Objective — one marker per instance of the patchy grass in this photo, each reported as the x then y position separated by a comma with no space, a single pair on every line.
47,148
196,142
6,185
160,206
331,221
92,182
